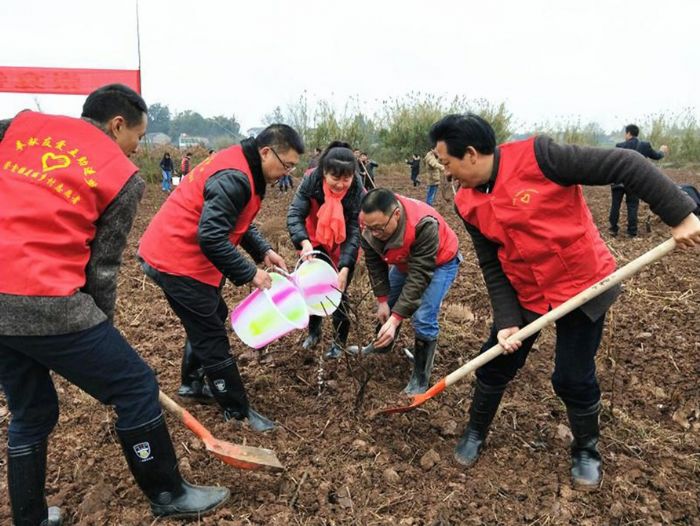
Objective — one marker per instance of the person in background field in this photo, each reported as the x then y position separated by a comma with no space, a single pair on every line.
63,228
423,252
166,168
313,162
435,171
414,163
537,246
191,247
285,183
324,216
618,190
367,167
185,164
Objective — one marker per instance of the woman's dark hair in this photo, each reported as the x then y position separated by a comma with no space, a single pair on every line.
338,159
459,131
166,155
112,100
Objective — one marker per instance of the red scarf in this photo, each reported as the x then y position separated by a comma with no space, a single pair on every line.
330,228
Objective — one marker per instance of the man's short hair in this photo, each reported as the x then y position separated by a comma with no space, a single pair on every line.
379,199
459,131
280,137
632,129
112,100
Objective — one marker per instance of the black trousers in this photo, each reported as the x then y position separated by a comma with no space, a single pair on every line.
574,379
98,360
201,310
632,202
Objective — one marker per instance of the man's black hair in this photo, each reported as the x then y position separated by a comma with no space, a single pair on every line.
280,137
379,199
632,129
459,131
338,159
113,100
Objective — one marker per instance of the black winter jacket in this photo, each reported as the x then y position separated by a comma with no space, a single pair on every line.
226,193
310,188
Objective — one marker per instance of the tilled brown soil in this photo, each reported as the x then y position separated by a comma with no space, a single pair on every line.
344,466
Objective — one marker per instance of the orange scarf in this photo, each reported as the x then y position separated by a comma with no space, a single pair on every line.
330,228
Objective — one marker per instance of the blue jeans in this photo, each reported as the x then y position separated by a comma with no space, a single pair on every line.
430,195
167,179
425,319
574,379
98,360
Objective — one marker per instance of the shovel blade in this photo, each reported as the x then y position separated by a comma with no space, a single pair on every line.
417,400
243,457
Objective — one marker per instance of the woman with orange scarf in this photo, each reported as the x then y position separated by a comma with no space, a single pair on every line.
324,216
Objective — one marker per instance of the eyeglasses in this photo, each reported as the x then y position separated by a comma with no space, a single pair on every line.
381,229
288,167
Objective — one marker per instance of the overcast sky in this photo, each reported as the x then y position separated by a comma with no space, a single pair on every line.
606,61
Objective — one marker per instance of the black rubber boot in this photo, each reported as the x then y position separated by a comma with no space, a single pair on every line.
151,458
586,463
26,478
423,358
315,333
192,376
341,329
228,390
481,413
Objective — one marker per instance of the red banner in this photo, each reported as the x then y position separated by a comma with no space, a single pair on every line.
66,81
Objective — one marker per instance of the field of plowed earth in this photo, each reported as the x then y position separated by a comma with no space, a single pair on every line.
345,467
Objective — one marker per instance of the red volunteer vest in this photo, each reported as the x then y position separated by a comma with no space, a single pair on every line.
415,211
170,243
550,249
57,176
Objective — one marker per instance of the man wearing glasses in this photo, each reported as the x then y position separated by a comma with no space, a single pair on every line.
191,247
412,257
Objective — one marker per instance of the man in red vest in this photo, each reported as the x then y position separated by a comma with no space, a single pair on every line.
191,247
537,246
68,197
412,257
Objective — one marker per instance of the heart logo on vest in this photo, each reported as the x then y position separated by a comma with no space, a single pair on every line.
49,161
523,197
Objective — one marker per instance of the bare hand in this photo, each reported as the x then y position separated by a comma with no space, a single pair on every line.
262,280
387,333
509,346
687,233
383,311
273,259
664,149
306,248
343,278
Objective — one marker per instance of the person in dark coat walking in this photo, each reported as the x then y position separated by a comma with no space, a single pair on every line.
618,190
324,216
414,163
166,168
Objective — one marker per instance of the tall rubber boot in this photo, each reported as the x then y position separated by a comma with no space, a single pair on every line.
151,458
481,413
315,332
423,358
586,462
26,478
227,388
192,376
341,329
